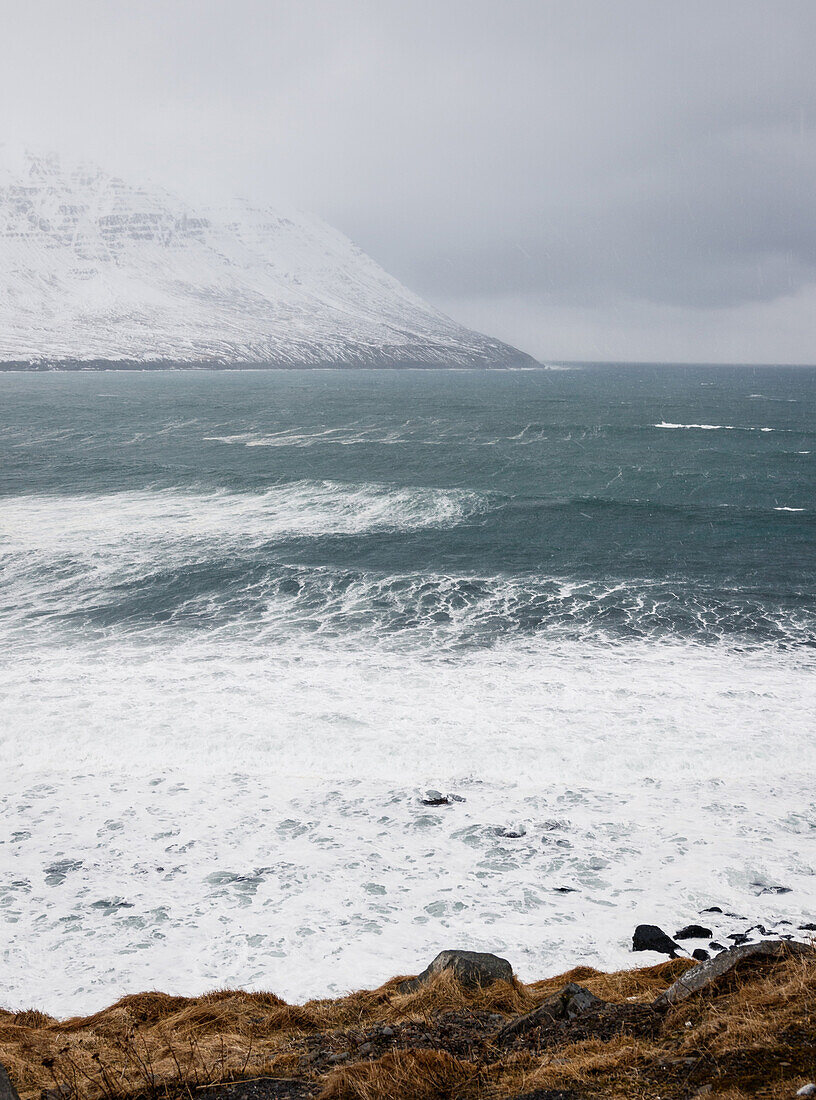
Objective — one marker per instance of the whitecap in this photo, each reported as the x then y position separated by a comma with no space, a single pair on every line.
719,427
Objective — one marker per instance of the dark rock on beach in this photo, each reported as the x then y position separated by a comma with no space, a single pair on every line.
470,968
700,954
693,932
648,937
435,798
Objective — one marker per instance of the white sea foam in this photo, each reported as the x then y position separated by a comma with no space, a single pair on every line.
237,804
213,811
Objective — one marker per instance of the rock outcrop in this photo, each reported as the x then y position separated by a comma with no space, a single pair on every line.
470,968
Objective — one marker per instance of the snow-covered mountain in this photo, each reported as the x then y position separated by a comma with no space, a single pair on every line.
94,269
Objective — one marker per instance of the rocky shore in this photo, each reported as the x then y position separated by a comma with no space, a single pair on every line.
739,1023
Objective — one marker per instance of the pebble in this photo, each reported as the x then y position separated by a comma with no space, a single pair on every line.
334,1059
807,1090
388,1033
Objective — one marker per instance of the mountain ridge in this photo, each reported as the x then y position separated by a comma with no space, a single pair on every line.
95,271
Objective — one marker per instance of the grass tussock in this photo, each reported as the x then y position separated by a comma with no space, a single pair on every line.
752,1035
404,1075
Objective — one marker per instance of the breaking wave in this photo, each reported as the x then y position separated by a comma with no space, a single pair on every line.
720,427
113,521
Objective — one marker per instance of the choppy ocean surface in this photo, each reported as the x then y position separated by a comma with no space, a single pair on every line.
246,618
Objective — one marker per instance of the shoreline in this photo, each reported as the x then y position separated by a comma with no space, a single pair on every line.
736,1025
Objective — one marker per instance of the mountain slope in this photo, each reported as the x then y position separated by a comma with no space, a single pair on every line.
92,269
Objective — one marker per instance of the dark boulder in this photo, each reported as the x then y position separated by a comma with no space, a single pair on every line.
7,1090
693,932
570,1002
807,927
471,968
700,954
706,974
434,798
648,937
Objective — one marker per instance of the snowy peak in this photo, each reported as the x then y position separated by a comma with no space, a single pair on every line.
94,269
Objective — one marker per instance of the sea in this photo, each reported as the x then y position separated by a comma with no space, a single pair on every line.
306,675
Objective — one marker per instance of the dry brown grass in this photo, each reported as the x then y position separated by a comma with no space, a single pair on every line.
755,1035
403,1075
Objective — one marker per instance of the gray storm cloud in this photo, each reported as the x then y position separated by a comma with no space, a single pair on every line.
585,179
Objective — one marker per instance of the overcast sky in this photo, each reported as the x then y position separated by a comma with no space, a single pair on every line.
587,179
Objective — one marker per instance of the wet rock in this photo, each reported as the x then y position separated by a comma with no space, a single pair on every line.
434,798
717,946
766,888
470,968
7,1090
700,954
712,909
807,927
648,937
570,1002
693,932
707,973
511,832
738,938
763,931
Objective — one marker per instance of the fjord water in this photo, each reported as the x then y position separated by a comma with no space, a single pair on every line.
248,617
